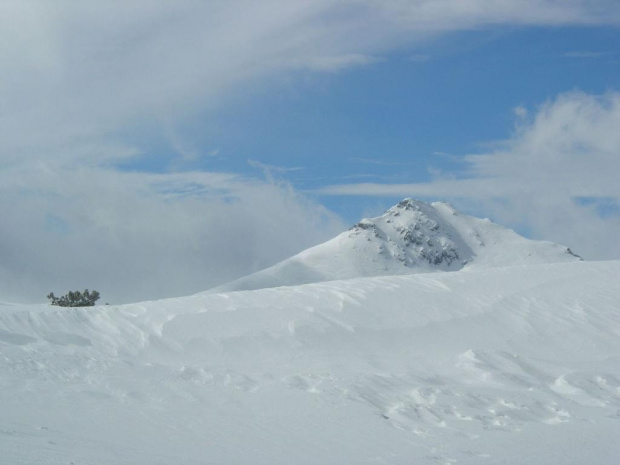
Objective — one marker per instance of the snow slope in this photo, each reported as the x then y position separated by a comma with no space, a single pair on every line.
513,365
411,237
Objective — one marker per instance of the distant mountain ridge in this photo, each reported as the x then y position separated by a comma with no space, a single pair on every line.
410,237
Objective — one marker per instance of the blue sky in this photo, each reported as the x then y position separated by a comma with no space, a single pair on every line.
176,146
415,110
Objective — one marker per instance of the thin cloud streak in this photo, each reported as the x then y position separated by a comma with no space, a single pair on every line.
585,54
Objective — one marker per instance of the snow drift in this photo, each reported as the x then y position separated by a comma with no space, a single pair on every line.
505,365
411,237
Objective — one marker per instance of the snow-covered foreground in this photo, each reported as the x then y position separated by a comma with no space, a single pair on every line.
513,365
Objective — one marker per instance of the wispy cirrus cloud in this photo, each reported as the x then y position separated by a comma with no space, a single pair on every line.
380,161
419,58
74,72
585,54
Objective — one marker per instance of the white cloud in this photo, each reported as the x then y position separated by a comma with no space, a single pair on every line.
520,111
77,77
74,71
139,236
552,176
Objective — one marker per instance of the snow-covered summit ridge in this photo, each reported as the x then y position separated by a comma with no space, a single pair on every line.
410,237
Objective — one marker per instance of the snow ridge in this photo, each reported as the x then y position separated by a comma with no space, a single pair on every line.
515,365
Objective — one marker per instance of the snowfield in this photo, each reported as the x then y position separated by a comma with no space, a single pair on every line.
510,365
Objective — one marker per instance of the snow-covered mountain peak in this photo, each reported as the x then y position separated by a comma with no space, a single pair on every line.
407,204
410,237
413,234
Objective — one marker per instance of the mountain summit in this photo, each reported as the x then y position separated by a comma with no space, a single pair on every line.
410,237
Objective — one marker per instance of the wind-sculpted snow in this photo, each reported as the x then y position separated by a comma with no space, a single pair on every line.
411,237
515,365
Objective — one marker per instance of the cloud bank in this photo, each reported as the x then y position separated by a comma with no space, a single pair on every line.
136,236
557,176
83,83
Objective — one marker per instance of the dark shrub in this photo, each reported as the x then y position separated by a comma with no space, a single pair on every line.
75,299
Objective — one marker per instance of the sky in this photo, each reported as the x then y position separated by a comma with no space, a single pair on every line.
151,149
